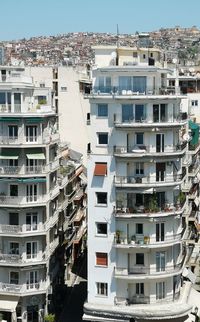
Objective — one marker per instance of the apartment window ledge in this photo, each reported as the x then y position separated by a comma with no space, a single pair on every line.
101,235
101,145
103,266
101,205
99,295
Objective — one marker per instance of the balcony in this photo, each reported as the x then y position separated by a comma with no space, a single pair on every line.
149,181
149,150
150,208
141,272
124,241
53,245
143,299
118,92
22,260
194,148
22,200
144,122
24,170
29,140
18,230
23,289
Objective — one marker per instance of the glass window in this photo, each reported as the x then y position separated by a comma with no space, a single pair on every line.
139,168
139,259
101,228
102,288
102,110
101,198
139,113
14,277
139,228
13,190
14,218
127,113
140,288
139,138
2,98
14,248
139,84
102,138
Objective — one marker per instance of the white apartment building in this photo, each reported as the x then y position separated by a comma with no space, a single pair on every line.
69,85
37,187
137,210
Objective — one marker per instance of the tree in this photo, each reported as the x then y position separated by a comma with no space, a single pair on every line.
49,318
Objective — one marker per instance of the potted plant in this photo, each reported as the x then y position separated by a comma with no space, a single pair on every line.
146,239
153,204
49,318
181,198
118,236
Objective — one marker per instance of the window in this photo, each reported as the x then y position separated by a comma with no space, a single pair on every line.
101,198
139,199
31,133
139,168
151,55
139,259
31,250
100,169
103,138
104,84
127,113
102,259
160,290
135,83
139,228
102,288
194,103
31,221
144,56
42,99
135,54
63,88
139,288
139,112
14,218
12,131
139,138
101,228
32,279
14,277
13,190
102,110
14,248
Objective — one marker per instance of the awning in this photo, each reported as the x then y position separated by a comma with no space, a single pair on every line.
6,154
100,169
188,274
34,120
9,119
35,156
32,180
8,305
195,132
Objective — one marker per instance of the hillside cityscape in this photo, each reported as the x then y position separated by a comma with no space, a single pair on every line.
100,177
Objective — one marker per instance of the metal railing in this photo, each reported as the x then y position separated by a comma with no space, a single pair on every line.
23,288
159,179
16,229
144,299
119,119
137,149
127,91
19,200
145,270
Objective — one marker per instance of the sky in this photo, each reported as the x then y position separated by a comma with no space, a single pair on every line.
29,18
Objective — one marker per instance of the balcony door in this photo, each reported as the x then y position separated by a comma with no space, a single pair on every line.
160,143
32,280
160,290
159,113
31,221
32,165
31,249
160,232
160,261
31,133
160,171
127,113
31,192
12,132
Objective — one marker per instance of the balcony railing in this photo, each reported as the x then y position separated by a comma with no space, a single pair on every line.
29,169
23,288
15,140
18,229
145,149
145,270
20,200
143,299
128,240
162,179
143,120
126,91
